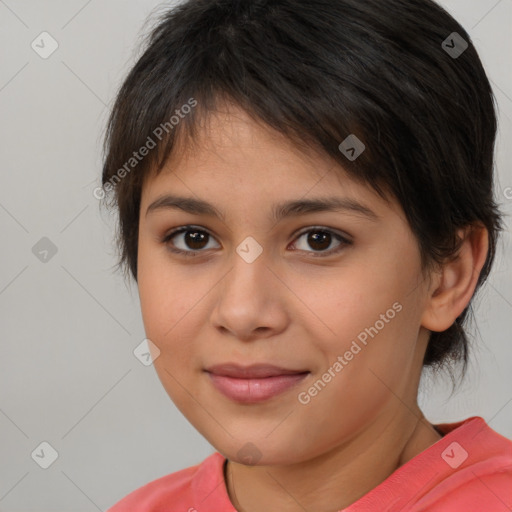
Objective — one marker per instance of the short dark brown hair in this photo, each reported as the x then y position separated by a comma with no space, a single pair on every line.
319,71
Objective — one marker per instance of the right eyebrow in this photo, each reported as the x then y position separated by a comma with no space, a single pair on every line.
187,204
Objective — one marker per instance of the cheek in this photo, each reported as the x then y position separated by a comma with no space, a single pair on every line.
168,301
366,311
170,309
345,302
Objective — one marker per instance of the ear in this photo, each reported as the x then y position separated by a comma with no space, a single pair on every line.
454,284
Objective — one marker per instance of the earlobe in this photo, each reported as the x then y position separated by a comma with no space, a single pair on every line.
452,290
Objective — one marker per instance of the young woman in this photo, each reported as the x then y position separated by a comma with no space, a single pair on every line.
305,198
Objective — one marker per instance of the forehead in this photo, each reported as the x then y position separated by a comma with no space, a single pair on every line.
230,136
236,156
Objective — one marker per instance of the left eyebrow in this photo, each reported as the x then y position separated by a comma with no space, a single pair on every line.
279,211
323,204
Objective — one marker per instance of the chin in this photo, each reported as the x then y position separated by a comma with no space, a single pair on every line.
259,452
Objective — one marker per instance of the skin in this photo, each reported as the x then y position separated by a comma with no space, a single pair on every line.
294,308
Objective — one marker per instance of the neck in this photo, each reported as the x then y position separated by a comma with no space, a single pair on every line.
337,478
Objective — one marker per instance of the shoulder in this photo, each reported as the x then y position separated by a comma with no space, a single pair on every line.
469,469
179,488
473,489
475,471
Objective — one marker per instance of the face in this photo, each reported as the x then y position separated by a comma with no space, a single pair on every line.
331,297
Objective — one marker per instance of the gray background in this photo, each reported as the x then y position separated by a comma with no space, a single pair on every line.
68,375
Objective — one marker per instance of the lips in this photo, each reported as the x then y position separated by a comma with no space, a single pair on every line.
254,383
255,371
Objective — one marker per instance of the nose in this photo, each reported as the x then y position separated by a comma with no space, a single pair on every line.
251,300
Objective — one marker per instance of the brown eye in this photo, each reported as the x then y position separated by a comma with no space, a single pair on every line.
320,240
188,241
195,239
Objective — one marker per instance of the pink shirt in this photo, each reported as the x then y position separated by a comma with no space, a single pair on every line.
468,470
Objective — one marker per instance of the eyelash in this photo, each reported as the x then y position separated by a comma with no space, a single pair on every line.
343,241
